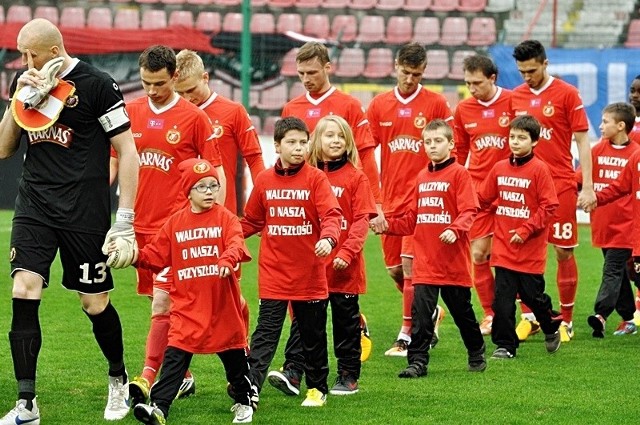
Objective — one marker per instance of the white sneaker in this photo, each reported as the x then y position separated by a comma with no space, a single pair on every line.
244,414
187,388
21,415
118,404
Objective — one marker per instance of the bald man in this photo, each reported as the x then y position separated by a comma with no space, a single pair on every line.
63,206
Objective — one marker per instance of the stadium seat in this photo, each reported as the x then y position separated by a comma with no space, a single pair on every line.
232,22
344,28
437,64
262,23
417,5
456,72
181,18
289,68
364,96
257,123
497,6
254,97
99,17
316,25
289,22
154,19
371,29
471,5
19,14
426,30
444,5
453,98
379,63
200,2
227,3
126,19
281,3
633,37
73,17
274,98
50,13
174,2
351,63
209,22
399,30
454,31
307,4
144,1
218,86
362,4
1,14
482,32
269,124
334,4
296,90
390,4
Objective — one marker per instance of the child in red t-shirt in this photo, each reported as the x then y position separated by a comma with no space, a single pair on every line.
526,200
293,206
439,219
203,243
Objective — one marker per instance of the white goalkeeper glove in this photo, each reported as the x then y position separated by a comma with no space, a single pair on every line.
37,94
124,253
122,228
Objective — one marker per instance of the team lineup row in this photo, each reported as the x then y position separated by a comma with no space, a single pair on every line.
328,204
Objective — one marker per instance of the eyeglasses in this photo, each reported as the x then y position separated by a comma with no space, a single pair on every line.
202,188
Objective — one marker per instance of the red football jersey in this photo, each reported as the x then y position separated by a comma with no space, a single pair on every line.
482,133
235,133
396,125
164,138
526,201
206,312
635,131
293,210
561,113
443,199
611,224
351,188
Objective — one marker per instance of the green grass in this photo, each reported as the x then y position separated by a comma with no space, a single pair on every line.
588,381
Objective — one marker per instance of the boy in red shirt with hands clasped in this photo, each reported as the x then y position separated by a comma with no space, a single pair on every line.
526,200
440,217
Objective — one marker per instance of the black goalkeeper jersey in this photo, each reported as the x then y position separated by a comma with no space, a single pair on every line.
65,178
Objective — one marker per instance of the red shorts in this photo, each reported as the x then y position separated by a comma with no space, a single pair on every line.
147,279
563,228
482,225
396,247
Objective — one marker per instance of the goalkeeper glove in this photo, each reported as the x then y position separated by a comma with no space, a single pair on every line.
122,228
636,264
124,253
37,94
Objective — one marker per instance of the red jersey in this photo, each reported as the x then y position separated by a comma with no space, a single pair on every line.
235,133
293,208
611,224
351,188
443,199
482,133
206,313
627,183
164,138
526,201
396,126
635,131
561,113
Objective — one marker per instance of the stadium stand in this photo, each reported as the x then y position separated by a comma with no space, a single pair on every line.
307,4
482,31
274,98
73,17
454,31
288,67
18,13
334,4
437,64
344,28
126,19
417,5
49,13
221,87
351,63
181,18
426,30
281,3
269,124
471,6
230,3
296,90
362,4
379,63
364,96
153,19
456,72
399,30
633,36
99,17
316,25
444,5
371,29
289,22
232,22
209,22
390,4
497,6
262,23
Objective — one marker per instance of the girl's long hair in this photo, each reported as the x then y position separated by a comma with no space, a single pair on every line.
316,143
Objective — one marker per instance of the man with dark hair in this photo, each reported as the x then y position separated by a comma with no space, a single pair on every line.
64,205
561,113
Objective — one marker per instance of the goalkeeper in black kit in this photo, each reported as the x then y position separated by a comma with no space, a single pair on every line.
70,114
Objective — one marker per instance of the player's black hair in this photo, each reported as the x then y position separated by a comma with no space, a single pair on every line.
158,57
480,63
412,55
530,49
529,124
287,124
622,111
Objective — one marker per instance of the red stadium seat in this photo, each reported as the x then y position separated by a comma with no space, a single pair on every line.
344,28
220,87
456,72
99,17
1,14
200,2
633,37
308,4
274,97
316,25
227,2
154,19
399,30
417,5
379,63
181,18
296,90
496,6
482,32
444,5
351,63
454,31
73,17
258,3
437,65
50,13
209,22
390,4
281,3
126,19
232,22
269,124
145,1
257,123
262,23
18,14
289,22
472,5
371,29
254,97
334,4
289,68
362,4
426,30
173,1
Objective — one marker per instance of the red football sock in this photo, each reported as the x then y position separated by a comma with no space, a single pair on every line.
567,278
407,302
156,345
485,286
637,299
